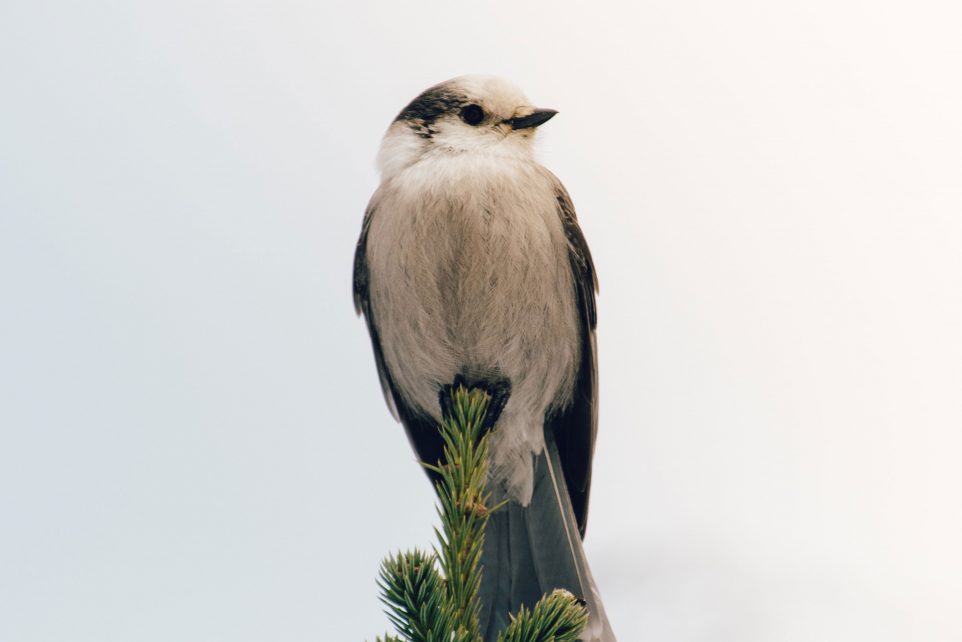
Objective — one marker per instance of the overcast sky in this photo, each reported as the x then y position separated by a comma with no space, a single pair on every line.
193,443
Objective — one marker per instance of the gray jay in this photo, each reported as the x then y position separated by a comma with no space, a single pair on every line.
471,265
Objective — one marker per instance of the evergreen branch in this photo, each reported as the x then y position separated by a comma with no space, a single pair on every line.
414,592
426,607
558,617
463,504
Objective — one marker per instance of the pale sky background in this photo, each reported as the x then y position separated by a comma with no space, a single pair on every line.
193,444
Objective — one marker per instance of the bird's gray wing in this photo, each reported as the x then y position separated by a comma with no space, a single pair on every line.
575,426
422,430
362,305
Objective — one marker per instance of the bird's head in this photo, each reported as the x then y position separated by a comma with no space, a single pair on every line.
468,114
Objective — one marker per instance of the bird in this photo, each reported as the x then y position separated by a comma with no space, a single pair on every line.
471,266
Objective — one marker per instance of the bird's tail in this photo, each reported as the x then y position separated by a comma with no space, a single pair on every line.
531,550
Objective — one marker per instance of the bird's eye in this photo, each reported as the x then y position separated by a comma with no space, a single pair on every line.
472,114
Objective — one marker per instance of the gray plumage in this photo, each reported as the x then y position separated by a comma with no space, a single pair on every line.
471,264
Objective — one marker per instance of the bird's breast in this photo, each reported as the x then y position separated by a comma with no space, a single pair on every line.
470,274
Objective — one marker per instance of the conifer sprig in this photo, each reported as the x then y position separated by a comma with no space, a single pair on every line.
557,617
413,591
428,605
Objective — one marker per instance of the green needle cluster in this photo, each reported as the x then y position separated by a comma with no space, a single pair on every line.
433,597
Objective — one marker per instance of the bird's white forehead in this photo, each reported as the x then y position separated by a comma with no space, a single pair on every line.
495,94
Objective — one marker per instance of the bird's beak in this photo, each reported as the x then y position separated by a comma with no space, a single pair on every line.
535,118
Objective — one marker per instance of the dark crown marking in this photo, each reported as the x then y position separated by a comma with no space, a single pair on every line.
424,110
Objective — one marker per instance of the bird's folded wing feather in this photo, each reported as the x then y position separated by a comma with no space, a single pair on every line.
574,427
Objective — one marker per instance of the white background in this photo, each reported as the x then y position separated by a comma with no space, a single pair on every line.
193,444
